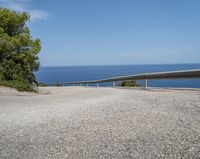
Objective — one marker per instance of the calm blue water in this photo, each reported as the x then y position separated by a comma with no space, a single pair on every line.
81,73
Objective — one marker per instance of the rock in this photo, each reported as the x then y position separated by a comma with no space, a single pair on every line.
34,86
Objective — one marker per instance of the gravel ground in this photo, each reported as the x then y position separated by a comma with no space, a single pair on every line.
78,122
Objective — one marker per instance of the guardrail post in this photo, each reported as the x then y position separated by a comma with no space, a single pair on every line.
145,83
114,83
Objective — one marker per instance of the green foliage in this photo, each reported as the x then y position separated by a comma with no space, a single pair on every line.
43,84
17,84
18,51
130,84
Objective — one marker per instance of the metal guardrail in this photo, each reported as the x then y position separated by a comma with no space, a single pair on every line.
184,74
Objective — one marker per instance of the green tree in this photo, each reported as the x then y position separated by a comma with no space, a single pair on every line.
18,51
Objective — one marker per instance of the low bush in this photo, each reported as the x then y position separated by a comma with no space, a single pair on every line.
129,84
41,84
17,84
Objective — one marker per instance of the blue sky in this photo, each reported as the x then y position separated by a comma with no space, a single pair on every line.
112,32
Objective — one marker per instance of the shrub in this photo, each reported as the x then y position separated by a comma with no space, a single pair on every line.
43,84
17,84
131,83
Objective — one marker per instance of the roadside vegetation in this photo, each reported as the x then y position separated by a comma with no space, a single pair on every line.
42,84
129,84
18,51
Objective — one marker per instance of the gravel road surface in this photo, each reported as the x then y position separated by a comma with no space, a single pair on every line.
89,123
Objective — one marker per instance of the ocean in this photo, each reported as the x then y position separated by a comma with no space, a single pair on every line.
83,73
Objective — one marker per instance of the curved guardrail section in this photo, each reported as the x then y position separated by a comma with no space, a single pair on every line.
183,74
